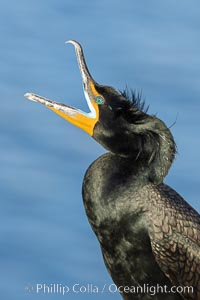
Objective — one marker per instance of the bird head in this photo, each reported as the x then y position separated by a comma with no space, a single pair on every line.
117,121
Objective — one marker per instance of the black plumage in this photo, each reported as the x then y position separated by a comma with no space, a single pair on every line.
147,232
149,235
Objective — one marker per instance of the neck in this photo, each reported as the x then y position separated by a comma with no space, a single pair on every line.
106,181
150,164
163,156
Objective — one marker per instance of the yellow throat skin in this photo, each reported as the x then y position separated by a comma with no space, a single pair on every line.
83,120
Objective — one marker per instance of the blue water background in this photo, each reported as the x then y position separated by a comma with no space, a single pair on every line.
153,46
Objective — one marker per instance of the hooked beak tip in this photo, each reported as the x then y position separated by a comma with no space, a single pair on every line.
68,41
73,42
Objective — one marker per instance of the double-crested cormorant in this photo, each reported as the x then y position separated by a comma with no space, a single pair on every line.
149,235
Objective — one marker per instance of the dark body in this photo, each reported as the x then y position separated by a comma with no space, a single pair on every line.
147,232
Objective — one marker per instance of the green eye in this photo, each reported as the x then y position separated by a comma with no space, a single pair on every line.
99,100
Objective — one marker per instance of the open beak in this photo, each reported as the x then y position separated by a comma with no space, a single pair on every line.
83,120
